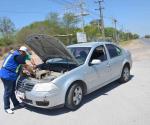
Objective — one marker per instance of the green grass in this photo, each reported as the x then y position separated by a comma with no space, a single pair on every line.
123,43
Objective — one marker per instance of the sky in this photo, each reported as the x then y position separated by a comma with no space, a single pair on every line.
132,15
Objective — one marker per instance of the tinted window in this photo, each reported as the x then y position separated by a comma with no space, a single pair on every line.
80,53
99,53
113,50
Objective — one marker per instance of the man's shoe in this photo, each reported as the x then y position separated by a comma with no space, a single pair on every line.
9,111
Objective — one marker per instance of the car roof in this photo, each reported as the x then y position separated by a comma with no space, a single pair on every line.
89,44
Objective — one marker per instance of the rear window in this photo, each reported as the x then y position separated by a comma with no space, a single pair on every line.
113,50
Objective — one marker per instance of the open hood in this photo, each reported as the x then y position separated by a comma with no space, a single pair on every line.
47,47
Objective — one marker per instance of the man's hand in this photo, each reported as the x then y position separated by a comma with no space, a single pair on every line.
29,68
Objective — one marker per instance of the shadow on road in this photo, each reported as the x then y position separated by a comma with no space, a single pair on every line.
102,91
87,98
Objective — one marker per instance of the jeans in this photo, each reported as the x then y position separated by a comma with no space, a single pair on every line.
9,93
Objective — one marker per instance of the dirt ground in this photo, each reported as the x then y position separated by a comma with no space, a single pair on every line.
138,49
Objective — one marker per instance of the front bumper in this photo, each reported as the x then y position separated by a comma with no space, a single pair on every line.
41,99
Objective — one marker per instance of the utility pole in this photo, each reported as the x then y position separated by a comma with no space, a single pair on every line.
79,11
101,24
82,14
121,35
116,33
68,36
78,8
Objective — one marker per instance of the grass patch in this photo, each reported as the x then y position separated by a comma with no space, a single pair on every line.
123,43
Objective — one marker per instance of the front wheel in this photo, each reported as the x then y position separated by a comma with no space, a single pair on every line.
74,96
125,76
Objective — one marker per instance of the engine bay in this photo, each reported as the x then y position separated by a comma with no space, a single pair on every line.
47,71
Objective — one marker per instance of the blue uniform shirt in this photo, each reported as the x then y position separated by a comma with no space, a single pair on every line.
10,65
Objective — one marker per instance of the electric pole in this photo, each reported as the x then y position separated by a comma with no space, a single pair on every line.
82,14
79,10
101,24
116,33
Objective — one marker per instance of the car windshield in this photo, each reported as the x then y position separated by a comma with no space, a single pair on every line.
80,53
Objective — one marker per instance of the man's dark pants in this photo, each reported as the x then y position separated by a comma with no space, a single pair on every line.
9,93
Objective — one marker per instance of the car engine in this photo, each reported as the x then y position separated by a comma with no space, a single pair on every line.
44,73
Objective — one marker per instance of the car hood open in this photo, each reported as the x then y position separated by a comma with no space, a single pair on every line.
47,47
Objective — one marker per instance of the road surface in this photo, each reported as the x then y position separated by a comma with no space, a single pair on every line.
115,104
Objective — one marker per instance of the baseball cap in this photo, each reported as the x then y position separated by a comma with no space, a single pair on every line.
23,48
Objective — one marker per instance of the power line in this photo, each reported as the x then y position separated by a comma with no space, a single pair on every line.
21,12
67,1
62,2
58,2
93,14
79,10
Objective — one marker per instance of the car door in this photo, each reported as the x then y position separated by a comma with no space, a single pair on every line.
99,74
116,60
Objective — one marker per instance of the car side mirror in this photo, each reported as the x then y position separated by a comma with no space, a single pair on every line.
95,62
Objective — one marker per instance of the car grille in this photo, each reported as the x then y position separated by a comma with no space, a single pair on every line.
23,85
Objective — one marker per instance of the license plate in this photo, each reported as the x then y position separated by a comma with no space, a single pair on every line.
20,95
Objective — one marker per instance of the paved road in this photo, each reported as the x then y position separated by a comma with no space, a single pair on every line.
146,41
115,104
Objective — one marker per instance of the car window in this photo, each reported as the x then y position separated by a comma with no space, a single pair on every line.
80,53
113,50
99,53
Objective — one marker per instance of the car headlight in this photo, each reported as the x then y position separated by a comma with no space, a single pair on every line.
45,87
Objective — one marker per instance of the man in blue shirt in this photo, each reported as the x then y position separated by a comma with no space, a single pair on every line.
9,73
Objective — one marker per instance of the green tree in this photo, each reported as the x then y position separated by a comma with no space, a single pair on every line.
7,31
147,36
54,23
70,21
7,27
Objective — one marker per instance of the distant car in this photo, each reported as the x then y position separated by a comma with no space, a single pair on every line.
74,71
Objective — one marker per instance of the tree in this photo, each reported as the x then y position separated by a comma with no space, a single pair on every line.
7,27
23,33
136,36
34,28
52,17
54,21
70,21
95,22
147,36
109,32
92,32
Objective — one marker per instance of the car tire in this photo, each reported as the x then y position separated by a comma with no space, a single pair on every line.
74,96
125,75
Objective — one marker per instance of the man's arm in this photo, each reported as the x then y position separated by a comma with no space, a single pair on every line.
20,59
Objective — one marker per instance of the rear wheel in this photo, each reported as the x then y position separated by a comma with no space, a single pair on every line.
74,96
125,76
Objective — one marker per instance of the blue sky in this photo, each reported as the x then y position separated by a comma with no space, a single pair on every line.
132,15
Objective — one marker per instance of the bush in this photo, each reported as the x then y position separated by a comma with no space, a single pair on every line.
147,36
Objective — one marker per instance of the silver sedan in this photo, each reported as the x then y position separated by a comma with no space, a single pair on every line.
72,71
